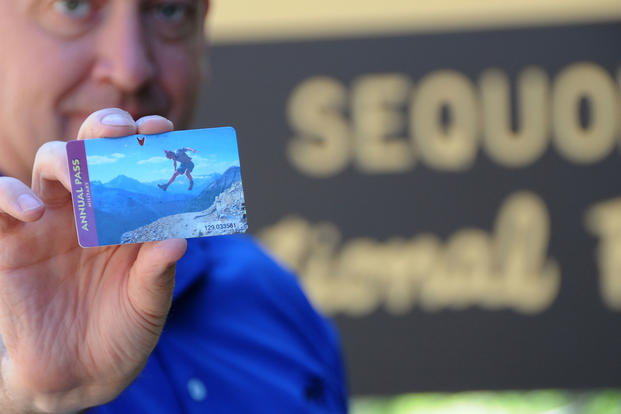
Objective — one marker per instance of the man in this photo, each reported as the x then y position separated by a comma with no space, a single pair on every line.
80,326
185,166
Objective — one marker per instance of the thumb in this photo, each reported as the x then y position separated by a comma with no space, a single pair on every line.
108,122
152,279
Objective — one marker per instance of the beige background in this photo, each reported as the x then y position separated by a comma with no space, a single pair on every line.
235,21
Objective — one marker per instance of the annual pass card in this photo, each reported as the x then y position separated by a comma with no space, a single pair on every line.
140,188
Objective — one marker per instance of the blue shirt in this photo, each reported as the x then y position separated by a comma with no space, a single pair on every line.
241,337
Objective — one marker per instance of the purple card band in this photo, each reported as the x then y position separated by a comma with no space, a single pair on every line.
81,192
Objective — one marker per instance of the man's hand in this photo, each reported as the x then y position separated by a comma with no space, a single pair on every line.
77,324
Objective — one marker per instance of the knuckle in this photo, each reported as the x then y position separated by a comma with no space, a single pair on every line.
49,154
50,148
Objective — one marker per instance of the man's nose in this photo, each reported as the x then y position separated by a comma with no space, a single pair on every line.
124,51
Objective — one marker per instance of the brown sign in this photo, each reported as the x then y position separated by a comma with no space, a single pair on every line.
452,200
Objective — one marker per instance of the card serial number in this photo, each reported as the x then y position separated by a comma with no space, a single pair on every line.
220,226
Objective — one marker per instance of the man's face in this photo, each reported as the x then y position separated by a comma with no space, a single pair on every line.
63,59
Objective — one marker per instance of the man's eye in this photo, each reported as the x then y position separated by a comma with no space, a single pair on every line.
173,12
174,20
68,18
74,8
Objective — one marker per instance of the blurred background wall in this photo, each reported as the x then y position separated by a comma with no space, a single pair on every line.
443,177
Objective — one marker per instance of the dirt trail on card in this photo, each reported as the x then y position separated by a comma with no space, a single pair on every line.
226,215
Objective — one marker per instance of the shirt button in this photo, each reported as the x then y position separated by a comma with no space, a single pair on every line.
197,389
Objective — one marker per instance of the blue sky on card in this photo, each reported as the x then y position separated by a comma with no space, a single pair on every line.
110,157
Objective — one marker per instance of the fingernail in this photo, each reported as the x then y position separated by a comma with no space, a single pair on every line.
28,203
116,120
150,117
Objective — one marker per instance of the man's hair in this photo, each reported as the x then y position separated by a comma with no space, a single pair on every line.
169,154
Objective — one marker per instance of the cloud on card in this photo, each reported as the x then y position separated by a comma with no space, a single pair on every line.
104,159
153,160
211,164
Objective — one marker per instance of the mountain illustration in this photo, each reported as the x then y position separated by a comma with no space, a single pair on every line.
118,210
227,214
216,187
126,183
124,203
179,186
